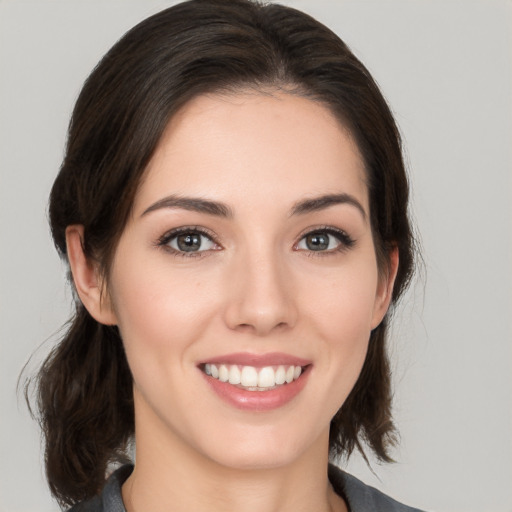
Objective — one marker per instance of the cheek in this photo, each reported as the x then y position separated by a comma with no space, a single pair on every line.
341,309
343,305
158,312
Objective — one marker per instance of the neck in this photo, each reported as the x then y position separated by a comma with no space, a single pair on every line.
170,475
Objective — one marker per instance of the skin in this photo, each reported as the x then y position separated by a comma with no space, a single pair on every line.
256,288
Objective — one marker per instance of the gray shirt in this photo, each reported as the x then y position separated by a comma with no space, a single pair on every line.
358,496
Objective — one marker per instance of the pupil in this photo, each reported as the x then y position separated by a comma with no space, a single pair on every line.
317,242
189,242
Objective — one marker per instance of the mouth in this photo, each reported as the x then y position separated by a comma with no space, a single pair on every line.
252,378
256,382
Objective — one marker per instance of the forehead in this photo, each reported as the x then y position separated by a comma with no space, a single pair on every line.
275,147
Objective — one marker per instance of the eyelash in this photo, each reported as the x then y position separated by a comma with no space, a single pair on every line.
166,238
346,242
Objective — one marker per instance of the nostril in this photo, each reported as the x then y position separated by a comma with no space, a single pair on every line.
244,327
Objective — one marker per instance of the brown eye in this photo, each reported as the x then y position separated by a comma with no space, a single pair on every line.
325,240
317,241
190,241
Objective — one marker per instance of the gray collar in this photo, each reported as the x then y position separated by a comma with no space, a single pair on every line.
359,496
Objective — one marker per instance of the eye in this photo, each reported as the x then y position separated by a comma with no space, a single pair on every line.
188,240
325,240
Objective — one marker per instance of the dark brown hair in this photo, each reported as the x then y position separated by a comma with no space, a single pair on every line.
196,47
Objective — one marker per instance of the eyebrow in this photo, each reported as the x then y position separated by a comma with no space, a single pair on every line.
315,204
219,209
194,204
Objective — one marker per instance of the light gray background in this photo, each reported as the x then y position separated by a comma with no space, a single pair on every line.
445,67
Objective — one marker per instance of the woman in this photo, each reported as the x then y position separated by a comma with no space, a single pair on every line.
233,208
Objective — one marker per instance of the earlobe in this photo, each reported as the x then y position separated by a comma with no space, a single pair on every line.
385,289
87,278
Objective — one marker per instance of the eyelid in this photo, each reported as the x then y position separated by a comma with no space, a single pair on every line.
189,229
163,241
346,241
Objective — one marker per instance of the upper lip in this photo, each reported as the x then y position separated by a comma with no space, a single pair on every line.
258,360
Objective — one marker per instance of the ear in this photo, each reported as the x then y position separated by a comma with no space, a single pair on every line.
87,278
385,289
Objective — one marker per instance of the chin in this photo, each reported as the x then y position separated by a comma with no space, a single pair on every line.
263,448
248,460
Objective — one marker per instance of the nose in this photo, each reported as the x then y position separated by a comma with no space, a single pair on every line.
262,299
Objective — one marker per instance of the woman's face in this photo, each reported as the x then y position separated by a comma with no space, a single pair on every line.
248,257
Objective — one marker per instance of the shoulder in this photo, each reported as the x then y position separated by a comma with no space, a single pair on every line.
361,497
92,505
110,499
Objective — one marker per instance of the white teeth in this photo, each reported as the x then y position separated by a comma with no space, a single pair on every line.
257,379
266,377
249,377
223,373
234,375
280,375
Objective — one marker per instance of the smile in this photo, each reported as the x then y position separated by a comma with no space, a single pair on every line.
252,378
256,382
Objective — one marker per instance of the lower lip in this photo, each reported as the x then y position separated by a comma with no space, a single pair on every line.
258,400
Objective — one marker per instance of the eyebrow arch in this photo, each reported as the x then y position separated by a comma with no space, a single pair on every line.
194,204
219,209
319,203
